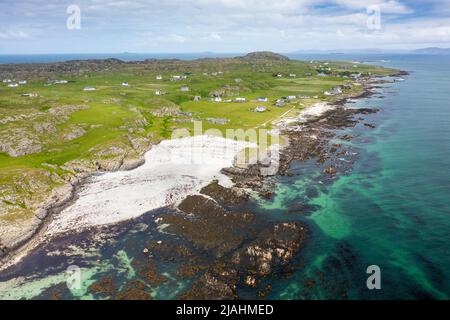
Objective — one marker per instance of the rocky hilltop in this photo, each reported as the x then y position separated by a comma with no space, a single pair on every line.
265,55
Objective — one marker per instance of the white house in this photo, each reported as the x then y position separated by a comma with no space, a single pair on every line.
176,78
292,75
13,85
7,81
260,109
89,89
217,99
279,75
184,88
158,77
23,82
240,99
333,92
197,98
159,93
30,95
292,97
59,81
125,84
262,99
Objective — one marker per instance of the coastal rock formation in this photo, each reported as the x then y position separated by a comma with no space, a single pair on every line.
271,251
225,233
208,225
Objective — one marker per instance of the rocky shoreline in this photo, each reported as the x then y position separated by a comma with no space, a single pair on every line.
60,199
249,264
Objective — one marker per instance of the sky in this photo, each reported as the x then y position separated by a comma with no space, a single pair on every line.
235,26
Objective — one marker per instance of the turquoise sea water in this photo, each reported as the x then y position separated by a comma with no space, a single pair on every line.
393,208
390,208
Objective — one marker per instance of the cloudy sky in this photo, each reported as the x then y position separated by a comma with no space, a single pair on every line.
180,26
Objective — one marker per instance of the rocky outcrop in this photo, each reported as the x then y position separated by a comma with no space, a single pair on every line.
74,132
19,142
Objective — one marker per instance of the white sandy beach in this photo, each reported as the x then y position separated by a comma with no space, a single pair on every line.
172,170
310,112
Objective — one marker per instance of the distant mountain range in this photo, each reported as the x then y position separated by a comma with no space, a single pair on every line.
433,50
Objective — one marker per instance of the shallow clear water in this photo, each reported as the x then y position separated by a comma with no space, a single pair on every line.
391,208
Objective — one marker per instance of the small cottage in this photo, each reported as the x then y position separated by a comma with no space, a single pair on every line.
262,99
30,95
184,89
333,92
89,89
240,100
260,109
220,121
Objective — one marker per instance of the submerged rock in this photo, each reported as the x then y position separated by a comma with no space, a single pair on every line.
104,287
208,225
134,290
225,196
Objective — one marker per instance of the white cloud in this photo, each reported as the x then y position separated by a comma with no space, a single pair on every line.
13,35
215,36
386,6
224,25
177,38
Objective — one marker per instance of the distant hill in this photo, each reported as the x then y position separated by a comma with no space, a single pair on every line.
265,55
433,51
